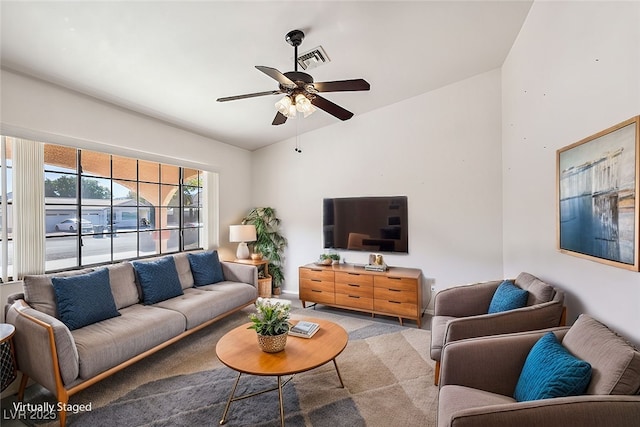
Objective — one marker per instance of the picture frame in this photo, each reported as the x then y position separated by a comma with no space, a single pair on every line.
598,196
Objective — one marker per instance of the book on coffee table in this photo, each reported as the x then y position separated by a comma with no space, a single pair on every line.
304,329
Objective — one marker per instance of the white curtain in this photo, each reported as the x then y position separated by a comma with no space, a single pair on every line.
28,208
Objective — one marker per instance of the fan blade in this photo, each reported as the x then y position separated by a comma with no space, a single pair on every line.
249,95
278,76
342,85
331,108
279,119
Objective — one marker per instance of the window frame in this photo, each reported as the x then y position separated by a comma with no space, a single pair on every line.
83,206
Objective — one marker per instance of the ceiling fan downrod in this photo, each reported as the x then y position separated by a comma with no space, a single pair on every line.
294,38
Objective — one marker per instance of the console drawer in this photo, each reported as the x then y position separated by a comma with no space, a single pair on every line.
355,301
354,289
395,308
397,295
354,278
316,285
400,283
318,274
317,295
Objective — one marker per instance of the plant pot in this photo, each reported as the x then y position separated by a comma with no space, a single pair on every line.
276,291
272,343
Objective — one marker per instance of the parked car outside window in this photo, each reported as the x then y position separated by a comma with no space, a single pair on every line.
71,224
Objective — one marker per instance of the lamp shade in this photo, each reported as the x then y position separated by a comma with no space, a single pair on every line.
242,233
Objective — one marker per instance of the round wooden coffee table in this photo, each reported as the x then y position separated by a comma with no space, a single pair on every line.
238,349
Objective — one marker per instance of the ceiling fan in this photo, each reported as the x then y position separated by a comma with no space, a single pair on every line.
301,92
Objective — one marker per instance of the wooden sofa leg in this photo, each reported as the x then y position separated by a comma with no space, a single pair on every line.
436,374
62,414
23,386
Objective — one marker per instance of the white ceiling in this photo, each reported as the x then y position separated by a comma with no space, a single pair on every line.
171,60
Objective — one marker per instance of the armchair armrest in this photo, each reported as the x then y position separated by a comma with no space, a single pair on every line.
45,348
240,272
586,410
491,363
466,300
534,317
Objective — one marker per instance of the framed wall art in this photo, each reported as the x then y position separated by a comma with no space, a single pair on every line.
598,196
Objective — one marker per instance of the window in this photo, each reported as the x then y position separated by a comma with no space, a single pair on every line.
102,208
6,218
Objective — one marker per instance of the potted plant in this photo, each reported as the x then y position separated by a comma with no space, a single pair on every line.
270,243
328,259
271,323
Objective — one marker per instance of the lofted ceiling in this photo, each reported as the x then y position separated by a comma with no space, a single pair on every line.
171,60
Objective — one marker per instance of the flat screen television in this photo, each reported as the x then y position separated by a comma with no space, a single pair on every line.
372,224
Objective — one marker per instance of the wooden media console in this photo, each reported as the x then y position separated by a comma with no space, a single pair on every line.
396,292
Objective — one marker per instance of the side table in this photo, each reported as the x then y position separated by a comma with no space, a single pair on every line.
264,284
7,355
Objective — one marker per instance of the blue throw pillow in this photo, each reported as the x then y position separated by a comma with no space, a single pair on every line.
84,299
508,297
158,279
551,371
205,268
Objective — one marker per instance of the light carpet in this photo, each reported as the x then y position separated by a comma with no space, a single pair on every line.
387,373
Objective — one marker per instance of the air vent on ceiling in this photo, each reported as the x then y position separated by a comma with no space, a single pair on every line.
312,59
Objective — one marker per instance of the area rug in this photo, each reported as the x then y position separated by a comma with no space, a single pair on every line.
386,370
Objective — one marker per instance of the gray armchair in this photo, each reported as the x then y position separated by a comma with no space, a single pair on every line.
461,312
479,376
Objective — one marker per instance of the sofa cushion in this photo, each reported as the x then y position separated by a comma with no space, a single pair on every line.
508,297
615,362
141,327
539,291
158,279
184,270
39,293
123,284
84,299
200,304
438,330
551,371
205,268
453,400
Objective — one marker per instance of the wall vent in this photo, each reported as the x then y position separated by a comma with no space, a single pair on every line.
313,58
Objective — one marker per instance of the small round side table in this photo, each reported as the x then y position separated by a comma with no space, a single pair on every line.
7,355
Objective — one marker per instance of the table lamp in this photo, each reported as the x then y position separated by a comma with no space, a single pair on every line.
242,234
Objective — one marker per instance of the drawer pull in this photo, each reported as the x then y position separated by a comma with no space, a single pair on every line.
353,284
315,290
354,296
395,302
395,290
354,274
394,278
316,280
316,269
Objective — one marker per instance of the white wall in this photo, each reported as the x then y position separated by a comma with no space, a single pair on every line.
441,149
573,71
34,109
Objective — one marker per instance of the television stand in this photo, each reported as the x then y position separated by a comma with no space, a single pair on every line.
395,292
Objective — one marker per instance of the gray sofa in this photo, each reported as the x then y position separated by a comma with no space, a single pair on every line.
480,376
66,360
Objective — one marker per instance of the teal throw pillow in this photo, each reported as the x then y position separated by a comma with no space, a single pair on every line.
205,268
158,279
551,371
84,299
508,297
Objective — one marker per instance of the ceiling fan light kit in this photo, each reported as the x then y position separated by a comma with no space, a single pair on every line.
301,93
